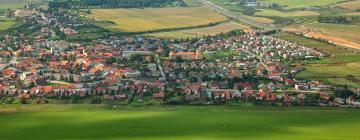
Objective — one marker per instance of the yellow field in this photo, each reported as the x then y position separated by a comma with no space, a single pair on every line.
260,19
267,12
200,32
353,5
134,20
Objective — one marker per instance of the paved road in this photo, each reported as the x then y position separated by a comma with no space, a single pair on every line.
235,16
160,67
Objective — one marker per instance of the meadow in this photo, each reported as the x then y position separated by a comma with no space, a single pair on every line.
333,69
6,24
75,122
269,12
351,13
137,20
200,32
14,4
301,3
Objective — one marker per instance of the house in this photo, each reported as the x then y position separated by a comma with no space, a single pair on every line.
159,96
251,3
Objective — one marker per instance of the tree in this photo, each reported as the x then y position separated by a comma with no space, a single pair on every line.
344,93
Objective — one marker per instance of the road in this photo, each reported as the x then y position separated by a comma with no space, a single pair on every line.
227,13
160,67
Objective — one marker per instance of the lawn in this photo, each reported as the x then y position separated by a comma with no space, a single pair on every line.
301,3
6,24
135,20
268,12
333,69
75,122
200,32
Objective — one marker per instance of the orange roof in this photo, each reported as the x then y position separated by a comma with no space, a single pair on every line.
8,72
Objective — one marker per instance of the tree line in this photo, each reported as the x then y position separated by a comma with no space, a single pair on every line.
339,19
114,3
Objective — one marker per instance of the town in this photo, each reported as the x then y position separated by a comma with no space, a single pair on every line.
243,65
179,69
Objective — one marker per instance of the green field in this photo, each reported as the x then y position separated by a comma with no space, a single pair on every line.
301,3
13,4
137,20
6,24
268,12
75,122
333,69
200,32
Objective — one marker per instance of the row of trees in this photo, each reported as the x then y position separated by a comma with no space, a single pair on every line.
114,3
339,19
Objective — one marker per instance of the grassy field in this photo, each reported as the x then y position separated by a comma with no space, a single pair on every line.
348,14
6,24
135,20
200,32
333,69
353,5
268,12
192,3
77,122
13,4
301,3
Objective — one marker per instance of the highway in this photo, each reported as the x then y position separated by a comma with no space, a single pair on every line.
227,13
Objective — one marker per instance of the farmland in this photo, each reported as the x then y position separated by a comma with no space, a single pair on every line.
301,3
353,5
136,20
268,12
200,32
346,35
43,122
334,69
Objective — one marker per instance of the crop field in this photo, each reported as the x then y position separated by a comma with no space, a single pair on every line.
268,12
260,19
346,35
333,69
301,3
200,32
350,32
353,5
135,20
78,122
